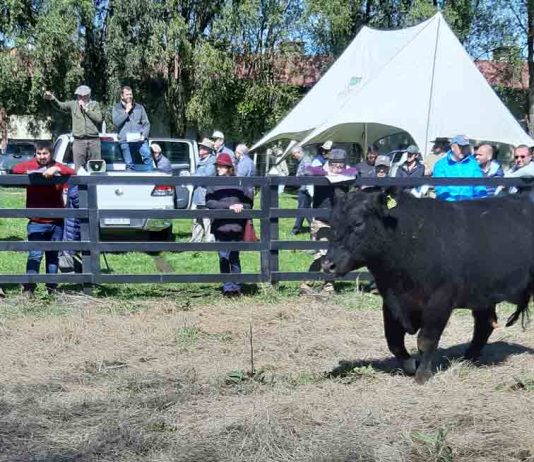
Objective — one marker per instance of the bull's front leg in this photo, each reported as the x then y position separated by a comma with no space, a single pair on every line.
485,322
395,333
434,320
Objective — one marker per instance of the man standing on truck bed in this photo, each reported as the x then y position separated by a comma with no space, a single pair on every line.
86,119
38,197
133,127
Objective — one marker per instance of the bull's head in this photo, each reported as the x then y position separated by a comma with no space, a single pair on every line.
359,222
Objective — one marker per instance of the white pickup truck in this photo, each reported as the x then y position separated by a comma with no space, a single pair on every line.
183,155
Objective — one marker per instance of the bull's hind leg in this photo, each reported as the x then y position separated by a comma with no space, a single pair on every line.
485,321
395,334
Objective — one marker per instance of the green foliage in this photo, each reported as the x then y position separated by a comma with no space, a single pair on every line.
433,446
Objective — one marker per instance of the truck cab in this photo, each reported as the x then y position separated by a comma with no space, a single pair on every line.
182,154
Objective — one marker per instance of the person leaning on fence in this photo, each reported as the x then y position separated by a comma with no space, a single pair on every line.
86,119
304,193
231,197
324,198
205,167
131,121
47,196
459,162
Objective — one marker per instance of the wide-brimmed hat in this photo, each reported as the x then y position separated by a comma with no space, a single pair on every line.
224,159
337,155
207,143
82,90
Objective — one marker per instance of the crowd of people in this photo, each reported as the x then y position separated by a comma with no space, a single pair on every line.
450,158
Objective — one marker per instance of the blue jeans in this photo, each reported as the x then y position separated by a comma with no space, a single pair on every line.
43,232
304,201
229,262
143,149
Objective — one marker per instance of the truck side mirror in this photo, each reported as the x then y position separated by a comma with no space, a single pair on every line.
96,166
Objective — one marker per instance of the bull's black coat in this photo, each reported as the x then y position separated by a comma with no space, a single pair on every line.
429,257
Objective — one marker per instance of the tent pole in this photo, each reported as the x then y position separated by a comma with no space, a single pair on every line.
425,148
365,137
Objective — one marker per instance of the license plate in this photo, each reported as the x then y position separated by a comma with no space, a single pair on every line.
116,221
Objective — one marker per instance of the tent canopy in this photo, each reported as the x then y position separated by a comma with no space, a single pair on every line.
419,80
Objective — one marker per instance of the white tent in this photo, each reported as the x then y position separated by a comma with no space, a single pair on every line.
419,80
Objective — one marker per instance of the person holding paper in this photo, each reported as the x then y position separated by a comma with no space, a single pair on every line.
133,126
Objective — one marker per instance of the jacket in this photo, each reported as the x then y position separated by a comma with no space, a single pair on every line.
494,171
163,164
221,197
84,123
135,121
417,172
448,167
40,197
71,230
205,167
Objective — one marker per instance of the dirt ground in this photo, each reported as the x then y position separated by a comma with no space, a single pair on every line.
172,381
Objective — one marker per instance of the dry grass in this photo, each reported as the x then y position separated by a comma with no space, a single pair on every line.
172,382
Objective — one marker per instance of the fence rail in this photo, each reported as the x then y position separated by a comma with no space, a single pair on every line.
269,213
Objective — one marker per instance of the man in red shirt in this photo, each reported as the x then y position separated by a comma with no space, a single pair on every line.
49,196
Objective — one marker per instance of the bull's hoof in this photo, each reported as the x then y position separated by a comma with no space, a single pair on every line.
422,376
409,366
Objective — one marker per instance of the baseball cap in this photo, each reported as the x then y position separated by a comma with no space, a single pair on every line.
224,159
337,155
412,149
327,145
460,140
82,90
155,147
217,134
383,160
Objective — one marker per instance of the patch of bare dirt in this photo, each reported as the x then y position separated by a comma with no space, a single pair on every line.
169,383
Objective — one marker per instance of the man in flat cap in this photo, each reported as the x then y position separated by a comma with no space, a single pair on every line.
86,119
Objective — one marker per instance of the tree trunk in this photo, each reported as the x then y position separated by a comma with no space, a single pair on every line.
3,129
530,58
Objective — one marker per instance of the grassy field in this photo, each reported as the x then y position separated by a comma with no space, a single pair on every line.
137,262
171,379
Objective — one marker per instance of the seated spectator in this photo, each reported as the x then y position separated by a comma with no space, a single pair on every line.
48,196
523,165
322,155
228,229
490,168
458,163
162,163
205,167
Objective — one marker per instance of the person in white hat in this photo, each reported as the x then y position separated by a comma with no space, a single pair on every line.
218,141
163,164
86,120
322,155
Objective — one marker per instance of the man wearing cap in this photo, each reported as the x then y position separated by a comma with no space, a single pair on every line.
411,168
162,163
205,167
366,167
324,198
131,121
244,165
459,162
439,150
86,119
218,142
305,192
322,156
381,167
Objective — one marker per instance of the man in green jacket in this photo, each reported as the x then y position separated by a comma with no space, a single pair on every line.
86,119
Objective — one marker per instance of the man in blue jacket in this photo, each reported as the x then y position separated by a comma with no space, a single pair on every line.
133,126
459,162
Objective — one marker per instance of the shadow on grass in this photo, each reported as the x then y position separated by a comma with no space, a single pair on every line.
493,354
12,238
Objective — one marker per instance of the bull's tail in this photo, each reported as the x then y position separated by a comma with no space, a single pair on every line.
523,311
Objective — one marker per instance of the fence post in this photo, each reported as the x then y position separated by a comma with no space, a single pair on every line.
274,230
85,225
265,232
94,231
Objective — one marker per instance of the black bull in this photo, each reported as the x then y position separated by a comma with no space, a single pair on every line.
429,257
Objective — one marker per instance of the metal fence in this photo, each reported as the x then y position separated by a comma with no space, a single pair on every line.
267,212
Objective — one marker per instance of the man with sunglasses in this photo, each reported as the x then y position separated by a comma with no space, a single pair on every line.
523,165
459,162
